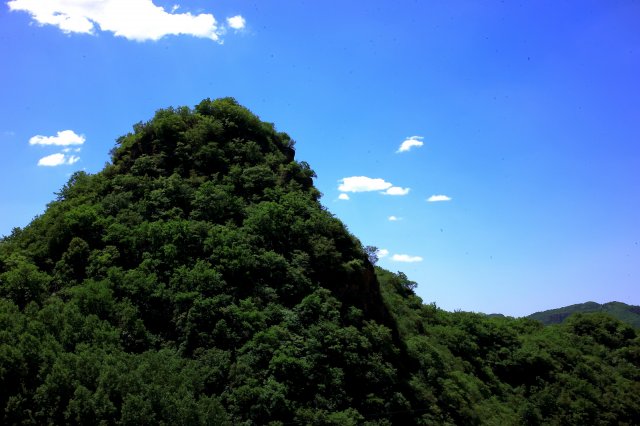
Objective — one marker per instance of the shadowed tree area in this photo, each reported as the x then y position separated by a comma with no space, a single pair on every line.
197,279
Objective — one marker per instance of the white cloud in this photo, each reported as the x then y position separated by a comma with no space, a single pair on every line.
394,218
435,198
236,22
58,159
139,20
406,258
52,160
396,190
362,184
63,138
410,142
367,184
382,253
343,196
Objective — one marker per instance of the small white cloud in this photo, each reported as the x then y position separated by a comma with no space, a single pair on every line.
394,218
236,22
396,190
63,138
58,159
435,198
406,258
52,160
139,20
409,143
382,253
343,196
362,184
367,184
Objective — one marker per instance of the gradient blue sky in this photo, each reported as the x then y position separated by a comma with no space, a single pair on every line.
529,114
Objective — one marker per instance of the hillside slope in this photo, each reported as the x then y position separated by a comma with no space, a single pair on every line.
625,313
197,279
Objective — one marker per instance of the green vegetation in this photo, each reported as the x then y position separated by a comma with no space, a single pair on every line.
198,280
625,313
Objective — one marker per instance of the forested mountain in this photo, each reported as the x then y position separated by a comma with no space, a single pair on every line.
626,313
197,279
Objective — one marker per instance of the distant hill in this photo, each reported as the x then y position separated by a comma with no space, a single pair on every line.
626,313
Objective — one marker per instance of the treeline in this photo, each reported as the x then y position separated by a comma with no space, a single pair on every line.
198,280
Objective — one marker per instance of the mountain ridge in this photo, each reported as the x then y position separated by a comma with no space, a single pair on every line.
622,311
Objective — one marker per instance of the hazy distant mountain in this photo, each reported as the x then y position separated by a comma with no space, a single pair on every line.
626,313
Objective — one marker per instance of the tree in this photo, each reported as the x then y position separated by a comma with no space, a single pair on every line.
372,254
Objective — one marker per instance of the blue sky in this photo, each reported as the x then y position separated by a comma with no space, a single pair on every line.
523,117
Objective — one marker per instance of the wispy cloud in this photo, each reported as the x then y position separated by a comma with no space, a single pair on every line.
58,159
382,253
409,143
405,258
71,149
236,22
435,198
367,184
343,196
63,138
396,190
138,20
394,218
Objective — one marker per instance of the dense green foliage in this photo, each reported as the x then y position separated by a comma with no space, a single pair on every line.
625,313
198,280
